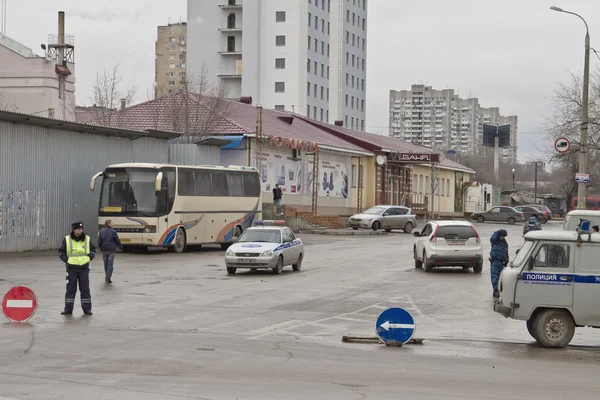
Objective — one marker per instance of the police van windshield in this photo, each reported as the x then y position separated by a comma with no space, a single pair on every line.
128,192
523,251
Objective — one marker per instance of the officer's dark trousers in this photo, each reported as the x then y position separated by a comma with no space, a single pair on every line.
79,275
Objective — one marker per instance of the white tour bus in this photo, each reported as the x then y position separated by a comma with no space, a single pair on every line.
175,205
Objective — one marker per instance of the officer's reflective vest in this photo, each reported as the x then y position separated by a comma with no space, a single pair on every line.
77,251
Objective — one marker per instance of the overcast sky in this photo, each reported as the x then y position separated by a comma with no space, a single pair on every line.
510,53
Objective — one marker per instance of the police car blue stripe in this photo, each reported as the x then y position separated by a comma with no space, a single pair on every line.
550,277
287,245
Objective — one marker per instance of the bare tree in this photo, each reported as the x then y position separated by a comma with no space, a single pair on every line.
110,94
6,103
195,110
566,122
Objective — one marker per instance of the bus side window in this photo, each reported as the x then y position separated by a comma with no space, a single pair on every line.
251,185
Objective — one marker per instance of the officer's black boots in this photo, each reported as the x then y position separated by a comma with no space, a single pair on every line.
66,313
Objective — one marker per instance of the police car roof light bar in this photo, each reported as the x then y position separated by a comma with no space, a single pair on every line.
269,223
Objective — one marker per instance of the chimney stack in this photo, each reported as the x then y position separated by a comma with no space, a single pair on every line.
123,104
61,37
339,123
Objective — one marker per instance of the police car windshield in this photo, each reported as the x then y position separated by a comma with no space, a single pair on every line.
522,253
261,235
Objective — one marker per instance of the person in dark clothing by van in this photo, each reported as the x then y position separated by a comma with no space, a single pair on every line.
498,257
109,243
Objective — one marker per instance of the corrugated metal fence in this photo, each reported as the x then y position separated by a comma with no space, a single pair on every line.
45,176
191,154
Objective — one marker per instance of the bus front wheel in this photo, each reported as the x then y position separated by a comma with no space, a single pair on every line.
179,245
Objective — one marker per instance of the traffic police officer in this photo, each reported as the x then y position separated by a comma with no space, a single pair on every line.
77,250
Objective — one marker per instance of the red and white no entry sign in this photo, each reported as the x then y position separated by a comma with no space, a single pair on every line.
19,304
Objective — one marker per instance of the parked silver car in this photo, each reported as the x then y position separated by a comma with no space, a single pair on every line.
499,214
385,217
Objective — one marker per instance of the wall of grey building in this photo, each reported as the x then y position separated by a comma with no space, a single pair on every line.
355,12
318,61
46,173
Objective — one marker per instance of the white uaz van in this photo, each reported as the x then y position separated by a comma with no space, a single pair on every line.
553,284
573,218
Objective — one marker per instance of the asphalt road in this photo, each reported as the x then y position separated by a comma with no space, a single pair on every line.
178,327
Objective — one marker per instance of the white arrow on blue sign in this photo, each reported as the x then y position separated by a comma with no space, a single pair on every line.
395,325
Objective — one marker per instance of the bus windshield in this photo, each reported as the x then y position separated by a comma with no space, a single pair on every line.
128,192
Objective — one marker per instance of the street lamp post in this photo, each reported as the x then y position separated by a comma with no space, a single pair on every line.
583,155
513,171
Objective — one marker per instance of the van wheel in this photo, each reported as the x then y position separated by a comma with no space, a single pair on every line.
179,245
511,221
529,325
418,264
428,265
553,328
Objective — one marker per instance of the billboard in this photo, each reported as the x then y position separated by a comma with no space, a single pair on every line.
490,132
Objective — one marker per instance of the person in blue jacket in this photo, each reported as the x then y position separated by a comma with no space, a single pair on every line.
498,257
109,243
533,224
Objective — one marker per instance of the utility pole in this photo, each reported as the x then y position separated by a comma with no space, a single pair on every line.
259,141
583,153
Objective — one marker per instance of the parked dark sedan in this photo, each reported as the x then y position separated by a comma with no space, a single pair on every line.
499,214
530,211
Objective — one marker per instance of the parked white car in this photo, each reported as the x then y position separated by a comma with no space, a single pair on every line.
448,244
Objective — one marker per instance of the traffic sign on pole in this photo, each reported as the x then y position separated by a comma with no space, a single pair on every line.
562,145
19,304
395,325
582,178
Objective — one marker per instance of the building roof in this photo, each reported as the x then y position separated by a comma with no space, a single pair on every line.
51,123
15,46
449,164
168,114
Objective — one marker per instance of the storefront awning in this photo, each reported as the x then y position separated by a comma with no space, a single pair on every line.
235,142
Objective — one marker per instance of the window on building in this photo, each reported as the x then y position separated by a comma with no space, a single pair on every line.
171,83
327,94
362,124
363,64
316,70
353,59
364,4
346,121
322,93
352,103
329,28
328,72
322,48
362,85
328,50
315,93
347,15
323,25
308,110
352,81
280,40
279,87
362,105
316,22
328,5
347,58
321,114
363,46
279,107
315,112
363,24
448,187
280,16
171,65
353,19
280,63
352,122
171,48
171,39
308,65
347,37
327,120
317,3
323,70
353,39
309,19
308,88
309,42
346,101
347,79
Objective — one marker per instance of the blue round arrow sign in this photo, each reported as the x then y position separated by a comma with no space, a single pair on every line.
395,325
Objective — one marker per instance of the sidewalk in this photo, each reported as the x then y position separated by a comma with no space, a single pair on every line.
343,232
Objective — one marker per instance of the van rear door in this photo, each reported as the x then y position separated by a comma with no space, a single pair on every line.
587,285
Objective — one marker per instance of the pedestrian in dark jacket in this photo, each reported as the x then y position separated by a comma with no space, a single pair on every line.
109,243
277,195
498,257
76,251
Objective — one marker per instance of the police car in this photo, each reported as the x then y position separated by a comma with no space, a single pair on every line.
266,245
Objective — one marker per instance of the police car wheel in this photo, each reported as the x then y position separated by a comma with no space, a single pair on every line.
298,265
279,267
553,328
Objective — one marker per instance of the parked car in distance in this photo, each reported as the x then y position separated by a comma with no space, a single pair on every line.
545,210
385,217
448,243
499,214
530,211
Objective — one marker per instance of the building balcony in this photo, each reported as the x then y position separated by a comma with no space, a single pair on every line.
229,51
230,73
230,6
229,27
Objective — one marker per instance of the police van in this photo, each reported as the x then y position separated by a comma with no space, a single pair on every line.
553,284
573,219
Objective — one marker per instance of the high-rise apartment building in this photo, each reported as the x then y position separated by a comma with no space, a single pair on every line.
306,56
171,59
441,119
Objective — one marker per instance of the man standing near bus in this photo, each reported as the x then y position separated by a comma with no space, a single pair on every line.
277,195
76,251
109,243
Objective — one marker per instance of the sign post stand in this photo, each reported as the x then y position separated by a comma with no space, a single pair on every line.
395,326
